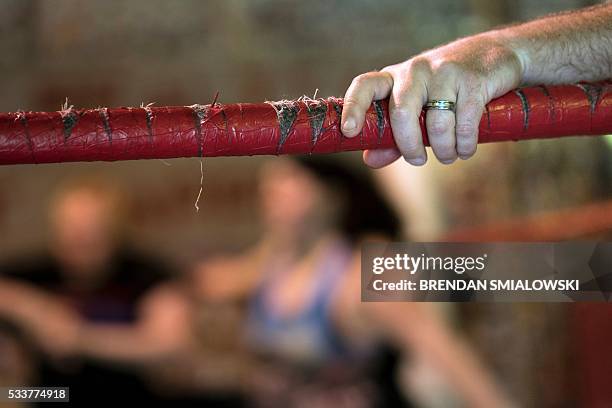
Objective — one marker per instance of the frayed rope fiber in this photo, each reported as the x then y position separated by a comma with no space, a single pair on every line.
305,125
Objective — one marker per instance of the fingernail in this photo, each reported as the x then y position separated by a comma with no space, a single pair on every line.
418,161
447,161
349,125
464,157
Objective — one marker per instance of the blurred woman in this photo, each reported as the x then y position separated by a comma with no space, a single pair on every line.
317,343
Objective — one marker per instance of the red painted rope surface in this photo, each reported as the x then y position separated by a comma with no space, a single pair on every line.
286,127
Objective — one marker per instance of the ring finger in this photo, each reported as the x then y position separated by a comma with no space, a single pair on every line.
441,123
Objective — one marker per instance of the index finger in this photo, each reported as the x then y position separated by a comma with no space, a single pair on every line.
364,89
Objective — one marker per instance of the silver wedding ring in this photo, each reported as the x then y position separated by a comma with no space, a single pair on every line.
440,104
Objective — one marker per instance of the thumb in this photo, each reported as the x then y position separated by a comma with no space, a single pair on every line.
364,89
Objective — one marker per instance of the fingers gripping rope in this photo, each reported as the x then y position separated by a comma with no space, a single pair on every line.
300,126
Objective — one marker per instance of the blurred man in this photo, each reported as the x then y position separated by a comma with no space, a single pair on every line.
455,81
95,310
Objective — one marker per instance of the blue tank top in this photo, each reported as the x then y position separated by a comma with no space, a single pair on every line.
308,336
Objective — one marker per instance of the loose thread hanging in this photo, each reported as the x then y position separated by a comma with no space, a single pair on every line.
256,129
197,207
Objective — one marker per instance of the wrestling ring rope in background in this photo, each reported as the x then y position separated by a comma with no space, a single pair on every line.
286,127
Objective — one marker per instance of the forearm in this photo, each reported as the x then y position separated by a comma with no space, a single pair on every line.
416,328
563,48
124,344
21,305
161,330
465,372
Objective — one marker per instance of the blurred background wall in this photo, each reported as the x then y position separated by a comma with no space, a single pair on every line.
112,53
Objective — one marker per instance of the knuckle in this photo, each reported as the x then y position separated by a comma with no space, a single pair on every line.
359,80
362,81
448,68
401,114
478,81
420,63
350,103
392,68
474,88
472,106
439,125
465,130
350,100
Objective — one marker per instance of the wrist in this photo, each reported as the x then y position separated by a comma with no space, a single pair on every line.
509,40
81,340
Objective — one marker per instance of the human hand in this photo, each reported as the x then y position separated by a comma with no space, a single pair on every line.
469,72
52,324
57,329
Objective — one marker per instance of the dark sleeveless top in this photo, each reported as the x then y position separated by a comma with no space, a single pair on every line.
129,277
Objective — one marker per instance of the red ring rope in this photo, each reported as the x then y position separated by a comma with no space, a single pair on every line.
286,127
